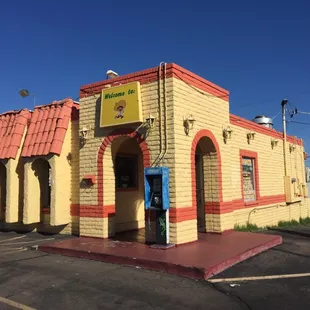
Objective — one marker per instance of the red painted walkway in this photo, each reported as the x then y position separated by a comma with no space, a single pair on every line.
208,256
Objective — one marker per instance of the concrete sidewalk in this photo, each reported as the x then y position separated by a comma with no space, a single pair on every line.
202,259
299,230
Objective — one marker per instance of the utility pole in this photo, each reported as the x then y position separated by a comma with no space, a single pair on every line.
284,103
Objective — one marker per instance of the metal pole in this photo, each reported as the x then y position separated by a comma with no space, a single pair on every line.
284,103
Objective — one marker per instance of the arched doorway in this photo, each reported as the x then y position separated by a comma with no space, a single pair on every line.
129,189
41,169
207,180
2,191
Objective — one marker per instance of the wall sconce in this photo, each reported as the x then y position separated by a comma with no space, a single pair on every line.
84,135
150,120
188,124
250,136
274,142
292,147
227,133
305,156
84,132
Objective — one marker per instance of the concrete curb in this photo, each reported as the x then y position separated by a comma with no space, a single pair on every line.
292,232
194,272
242,257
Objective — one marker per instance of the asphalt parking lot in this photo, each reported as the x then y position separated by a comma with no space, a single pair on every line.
35,280
13,243
290,260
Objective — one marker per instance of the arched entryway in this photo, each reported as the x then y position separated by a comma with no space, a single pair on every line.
122,158
42,169
207,185
129,187
2,191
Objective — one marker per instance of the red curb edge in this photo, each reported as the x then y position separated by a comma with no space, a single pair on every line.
189,272
180,270
214,270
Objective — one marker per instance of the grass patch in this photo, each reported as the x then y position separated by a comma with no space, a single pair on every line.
305,221
283,224
247,228
288,223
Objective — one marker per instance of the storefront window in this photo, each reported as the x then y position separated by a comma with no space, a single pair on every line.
126,174
248,174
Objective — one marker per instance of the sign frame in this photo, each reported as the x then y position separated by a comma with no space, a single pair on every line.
120,103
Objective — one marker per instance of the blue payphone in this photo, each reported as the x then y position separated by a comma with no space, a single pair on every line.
156,182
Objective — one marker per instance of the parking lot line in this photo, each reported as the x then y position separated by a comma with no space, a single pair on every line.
14,304
273,277
15,238
12,252
26,242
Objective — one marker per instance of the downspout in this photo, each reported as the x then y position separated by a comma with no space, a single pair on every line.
165,115
160,121
159,116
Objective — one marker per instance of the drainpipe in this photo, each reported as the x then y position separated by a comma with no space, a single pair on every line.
165,115
159,116
284,103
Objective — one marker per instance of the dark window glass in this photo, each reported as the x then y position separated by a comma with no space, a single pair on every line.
126,174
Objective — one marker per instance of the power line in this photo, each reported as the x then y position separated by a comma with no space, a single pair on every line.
276,115
297,122
301,112
292,104
297,111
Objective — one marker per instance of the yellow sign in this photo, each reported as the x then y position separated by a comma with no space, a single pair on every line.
121,105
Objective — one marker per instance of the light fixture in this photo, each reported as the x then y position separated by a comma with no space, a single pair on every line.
84,132
274,142
83,135
227,133
292,147
150,120
305,156
25,93
250,136
111,74
188,124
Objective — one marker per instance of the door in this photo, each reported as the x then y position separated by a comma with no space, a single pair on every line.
200,193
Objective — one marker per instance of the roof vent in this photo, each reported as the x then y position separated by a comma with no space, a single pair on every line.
263,121
111,74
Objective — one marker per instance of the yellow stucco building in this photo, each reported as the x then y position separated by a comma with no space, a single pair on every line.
78,168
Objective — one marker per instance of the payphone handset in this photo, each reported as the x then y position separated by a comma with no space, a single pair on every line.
157,188
156,192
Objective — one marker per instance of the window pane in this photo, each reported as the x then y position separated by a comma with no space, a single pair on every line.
248,179
126,171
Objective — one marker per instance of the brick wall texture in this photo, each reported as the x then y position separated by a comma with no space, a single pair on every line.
216,195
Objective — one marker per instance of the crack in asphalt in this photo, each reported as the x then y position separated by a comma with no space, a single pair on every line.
227,293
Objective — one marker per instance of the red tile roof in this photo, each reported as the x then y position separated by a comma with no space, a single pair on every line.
12,127
48,127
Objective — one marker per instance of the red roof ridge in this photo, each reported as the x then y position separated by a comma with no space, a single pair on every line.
250,125
12,128
152,75
57,102
14,112
48,127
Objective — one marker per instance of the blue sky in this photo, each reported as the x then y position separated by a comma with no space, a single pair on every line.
258,50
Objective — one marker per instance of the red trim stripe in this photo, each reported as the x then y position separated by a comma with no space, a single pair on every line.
246,124
152,75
